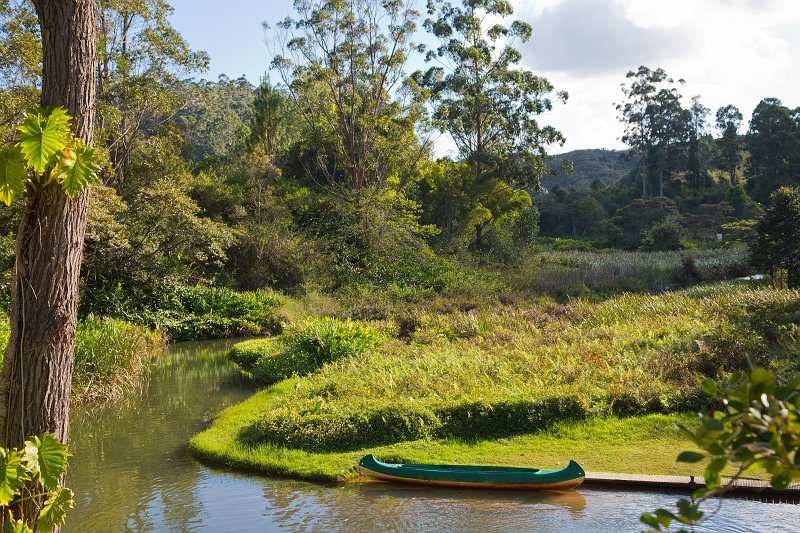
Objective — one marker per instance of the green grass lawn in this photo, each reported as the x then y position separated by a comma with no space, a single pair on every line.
644,445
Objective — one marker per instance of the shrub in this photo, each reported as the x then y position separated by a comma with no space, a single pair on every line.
319,429
329,339
194,313
663,237
484,419
247,353
308,347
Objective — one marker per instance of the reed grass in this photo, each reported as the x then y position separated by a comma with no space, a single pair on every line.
111,356
630,354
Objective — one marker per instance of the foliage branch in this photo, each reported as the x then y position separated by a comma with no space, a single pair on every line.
46,151
758,428
29,474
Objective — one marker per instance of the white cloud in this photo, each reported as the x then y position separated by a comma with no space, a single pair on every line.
728,51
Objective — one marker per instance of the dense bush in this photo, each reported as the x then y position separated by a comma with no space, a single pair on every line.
322,429
193,313
325,427
476,419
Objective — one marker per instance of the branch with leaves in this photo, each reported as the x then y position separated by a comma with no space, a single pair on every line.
759,428
46,151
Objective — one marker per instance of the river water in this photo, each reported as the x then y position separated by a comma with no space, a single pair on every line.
131,472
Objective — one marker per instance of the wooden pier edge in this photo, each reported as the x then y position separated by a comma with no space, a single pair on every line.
683,483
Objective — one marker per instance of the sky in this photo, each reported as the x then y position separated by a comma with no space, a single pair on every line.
728,51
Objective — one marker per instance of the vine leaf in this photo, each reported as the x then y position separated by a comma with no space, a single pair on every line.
77,169
12,475
55,510
12,174
18,526
43,134
47,457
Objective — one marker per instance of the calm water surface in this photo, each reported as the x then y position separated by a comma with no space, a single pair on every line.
131,472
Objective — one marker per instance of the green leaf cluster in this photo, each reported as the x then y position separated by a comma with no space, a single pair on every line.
758,428
46,150
31,473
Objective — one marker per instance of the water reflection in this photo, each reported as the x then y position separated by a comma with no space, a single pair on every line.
131,472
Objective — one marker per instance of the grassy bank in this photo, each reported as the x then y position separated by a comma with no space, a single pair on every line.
645,444
111,356
519,373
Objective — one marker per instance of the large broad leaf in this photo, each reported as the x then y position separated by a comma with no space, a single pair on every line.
12,475
47,458
55,510
78,169
43,134
12,174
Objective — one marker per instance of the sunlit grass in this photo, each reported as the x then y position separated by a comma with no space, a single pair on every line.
490,373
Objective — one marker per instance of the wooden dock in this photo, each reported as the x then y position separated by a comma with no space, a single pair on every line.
687,484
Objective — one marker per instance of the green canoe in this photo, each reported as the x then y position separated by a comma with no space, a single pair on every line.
494,477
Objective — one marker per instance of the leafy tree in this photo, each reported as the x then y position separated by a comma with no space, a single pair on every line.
272,126
743,205
777,246
654,122
758,428
729,120
585,212
637,218
663,237
20,63
697,126
216,123
774,144
142,64
487,102
342,63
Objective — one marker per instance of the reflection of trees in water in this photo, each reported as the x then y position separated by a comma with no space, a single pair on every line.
131,469
387,507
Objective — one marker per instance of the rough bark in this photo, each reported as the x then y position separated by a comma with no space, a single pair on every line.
37,371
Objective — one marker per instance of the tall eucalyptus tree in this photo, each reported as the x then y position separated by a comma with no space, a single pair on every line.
343,64
654,120
488,103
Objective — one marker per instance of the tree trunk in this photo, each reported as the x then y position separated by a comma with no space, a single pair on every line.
479,236
37,372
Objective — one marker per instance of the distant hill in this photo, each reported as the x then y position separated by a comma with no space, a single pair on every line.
596,163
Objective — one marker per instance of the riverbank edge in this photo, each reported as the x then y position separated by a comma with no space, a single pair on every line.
635,445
